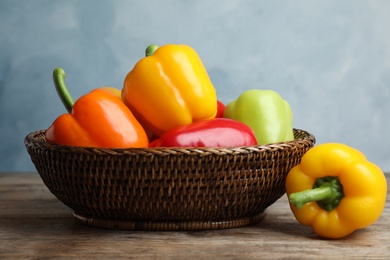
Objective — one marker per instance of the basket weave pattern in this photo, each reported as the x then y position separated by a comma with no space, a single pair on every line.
167,188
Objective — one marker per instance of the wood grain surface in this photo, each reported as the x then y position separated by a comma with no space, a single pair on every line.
35,225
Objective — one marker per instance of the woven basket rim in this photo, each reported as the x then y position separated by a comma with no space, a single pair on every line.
35,138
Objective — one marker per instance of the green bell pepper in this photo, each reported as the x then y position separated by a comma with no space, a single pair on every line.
266,112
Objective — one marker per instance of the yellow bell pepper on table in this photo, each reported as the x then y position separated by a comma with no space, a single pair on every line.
336,190
169,87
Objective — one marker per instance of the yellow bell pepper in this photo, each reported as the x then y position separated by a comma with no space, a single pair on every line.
169,87
336,190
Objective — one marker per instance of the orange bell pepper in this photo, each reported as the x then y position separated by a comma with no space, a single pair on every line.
97,119
169,87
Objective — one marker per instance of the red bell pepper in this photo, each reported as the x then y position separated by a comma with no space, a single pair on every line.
218,132
220,109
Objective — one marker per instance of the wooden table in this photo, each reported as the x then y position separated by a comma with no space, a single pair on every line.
34,224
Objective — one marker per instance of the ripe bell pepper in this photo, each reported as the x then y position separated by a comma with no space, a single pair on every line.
218,132
220,109
266,112
97,119
169,87
336,190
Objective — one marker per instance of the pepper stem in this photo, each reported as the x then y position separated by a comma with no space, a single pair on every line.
150,50
327,192
62,91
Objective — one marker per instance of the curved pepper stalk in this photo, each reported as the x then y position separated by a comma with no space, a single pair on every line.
151,49
327,192
62,91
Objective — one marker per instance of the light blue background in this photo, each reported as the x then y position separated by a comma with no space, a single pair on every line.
330,59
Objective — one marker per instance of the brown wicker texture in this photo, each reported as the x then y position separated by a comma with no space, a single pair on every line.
167,188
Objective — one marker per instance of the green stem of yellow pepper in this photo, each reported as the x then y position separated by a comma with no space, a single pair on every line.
62,91
327,192
150,50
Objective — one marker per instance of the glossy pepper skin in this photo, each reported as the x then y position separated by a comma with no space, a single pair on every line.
97,119
336,190
169,87
220,109
266,112
218,132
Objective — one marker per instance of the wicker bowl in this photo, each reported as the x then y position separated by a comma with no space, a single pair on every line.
167,188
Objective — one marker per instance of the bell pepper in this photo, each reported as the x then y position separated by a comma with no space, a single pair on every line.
97,119
114,91
220,109
218,132
266,112
169,87
336,190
